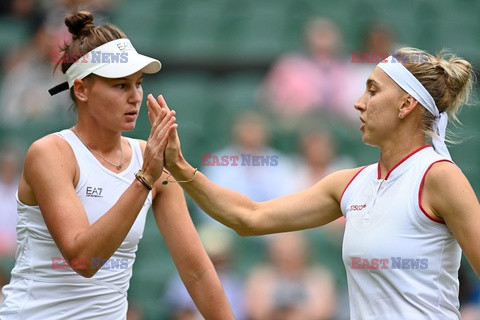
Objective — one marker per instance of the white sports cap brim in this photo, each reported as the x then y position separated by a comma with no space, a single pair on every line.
120,70
114,59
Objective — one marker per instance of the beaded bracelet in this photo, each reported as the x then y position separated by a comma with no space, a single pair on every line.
166,181
139,176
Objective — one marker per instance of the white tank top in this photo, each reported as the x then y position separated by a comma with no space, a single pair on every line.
42,285
401,263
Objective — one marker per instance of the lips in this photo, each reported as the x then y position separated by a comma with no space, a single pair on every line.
131,116
362,124
131,113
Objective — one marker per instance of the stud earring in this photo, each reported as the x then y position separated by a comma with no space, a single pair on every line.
400,115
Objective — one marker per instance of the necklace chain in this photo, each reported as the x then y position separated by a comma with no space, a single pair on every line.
118,166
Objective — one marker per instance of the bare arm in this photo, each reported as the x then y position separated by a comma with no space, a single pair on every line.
449,196
192,262
49,181
311,208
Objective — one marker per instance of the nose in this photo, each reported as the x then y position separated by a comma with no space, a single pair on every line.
136,95
360,105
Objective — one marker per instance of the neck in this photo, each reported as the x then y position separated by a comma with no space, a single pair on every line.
99,139
112,153
390,157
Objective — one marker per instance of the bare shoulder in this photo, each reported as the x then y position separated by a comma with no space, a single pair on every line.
51,145
50,151
49,161
447,191
444,173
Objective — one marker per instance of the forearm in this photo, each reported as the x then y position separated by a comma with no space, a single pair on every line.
209,297
226,206
102,238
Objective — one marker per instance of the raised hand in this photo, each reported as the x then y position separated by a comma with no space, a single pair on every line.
162,121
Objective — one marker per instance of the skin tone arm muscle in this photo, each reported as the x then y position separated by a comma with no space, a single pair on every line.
449,196
313,207
192,262
48,180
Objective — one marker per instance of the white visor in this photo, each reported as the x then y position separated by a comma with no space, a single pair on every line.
114,59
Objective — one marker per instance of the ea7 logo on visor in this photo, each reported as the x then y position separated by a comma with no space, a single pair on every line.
125,46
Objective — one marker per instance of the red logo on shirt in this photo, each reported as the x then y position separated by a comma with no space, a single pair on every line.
358,207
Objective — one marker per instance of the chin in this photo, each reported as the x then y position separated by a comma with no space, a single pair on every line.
128,127
367,141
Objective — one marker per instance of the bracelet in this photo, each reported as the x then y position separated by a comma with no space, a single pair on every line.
139,176
166,181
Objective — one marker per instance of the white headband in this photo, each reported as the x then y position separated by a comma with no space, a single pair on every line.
395,70
114,59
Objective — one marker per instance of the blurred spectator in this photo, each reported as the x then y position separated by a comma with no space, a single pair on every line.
378,43
10,165
219,243
470,312
24,93
287,287
58,9
18,8
318,157
251,166
318,78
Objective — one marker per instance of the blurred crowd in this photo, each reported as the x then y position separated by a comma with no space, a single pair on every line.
304,97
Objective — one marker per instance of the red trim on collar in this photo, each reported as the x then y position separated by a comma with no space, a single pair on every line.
400,162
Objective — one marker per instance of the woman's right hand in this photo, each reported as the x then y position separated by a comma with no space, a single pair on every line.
162,121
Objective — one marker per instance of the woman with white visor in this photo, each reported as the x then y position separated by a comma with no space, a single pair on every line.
85,192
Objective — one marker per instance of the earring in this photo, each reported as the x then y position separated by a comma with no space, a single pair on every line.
400,115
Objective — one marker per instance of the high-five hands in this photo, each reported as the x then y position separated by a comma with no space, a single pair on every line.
173,152
163,124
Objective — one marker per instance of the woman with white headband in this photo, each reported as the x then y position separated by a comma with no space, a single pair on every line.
408,217
85,192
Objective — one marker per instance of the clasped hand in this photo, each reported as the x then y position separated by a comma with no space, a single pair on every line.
163,144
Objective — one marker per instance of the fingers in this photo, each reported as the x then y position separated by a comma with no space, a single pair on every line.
157,109
172,132
169,135
154,110
162,103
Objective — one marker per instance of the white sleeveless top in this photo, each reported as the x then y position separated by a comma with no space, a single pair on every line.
401,263
42,285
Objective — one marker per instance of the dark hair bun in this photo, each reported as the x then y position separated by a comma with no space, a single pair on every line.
79,24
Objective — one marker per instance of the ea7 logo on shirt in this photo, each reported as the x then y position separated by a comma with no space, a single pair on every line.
94,192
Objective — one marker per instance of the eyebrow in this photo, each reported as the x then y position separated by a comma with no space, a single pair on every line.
371,82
